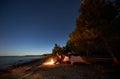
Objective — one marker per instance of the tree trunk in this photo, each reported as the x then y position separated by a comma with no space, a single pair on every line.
110,51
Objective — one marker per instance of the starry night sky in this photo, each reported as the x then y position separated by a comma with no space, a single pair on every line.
34,26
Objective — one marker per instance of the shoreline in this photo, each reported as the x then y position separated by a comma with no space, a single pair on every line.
27,63
35,70
9,61
13,66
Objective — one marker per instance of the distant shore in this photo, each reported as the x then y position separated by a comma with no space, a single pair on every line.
35,70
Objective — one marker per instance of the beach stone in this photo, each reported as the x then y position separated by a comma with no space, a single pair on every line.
59,71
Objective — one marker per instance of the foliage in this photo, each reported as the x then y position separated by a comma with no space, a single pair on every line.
96,30
96,27
56,49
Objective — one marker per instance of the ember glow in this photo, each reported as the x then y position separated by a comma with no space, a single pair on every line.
51,62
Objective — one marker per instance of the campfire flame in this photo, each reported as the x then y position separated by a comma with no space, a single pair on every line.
51,62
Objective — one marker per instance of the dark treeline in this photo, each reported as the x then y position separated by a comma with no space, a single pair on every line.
96,31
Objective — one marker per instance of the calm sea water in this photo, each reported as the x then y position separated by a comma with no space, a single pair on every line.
6,61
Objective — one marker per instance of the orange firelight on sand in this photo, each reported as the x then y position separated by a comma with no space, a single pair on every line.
51,62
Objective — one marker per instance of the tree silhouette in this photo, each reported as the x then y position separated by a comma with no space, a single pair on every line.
56,49
97,28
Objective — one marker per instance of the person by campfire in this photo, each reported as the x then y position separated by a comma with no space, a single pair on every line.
59,58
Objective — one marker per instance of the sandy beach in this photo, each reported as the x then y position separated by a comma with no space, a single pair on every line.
35,70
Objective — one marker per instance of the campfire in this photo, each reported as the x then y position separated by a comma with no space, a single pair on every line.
49,62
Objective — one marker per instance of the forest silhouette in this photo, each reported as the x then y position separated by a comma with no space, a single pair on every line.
96,32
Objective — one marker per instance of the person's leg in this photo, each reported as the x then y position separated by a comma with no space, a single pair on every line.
56,61
61,61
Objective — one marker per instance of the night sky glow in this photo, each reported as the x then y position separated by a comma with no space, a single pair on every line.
34,26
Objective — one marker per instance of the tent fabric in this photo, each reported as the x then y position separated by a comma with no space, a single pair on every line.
76,59
66,58
73,59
